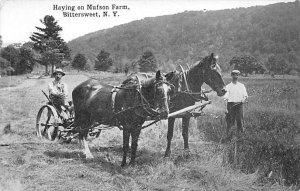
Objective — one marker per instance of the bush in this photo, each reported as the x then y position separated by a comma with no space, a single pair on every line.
79,61
5,67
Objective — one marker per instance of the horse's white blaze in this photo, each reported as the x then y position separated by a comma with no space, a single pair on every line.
166,89
86,149
218,68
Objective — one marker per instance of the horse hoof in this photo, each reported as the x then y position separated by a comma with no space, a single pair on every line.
123,164
167,154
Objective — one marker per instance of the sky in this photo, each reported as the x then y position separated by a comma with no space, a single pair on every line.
18,18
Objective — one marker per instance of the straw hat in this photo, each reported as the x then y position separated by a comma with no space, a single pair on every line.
58,70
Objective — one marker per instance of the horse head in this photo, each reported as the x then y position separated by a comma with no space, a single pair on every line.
157,92
211,74
175,79
163,89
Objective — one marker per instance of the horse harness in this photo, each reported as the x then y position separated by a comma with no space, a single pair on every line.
146,106
196,96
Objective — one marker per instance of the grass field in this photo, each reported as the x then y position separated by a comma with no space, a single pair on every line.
28,163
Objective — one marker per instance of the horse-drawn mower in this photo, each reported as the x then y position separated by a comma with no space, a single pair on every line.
52,125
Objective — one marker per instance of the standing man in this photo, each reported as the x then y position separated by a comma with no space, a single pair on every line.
235,96
58,92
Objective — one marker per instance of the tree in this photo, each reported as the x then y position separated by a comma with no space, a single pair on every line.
276,64
5,67
79,61
27,61
103,61
246,64
51,56
21,59
49,43
147,62
12,55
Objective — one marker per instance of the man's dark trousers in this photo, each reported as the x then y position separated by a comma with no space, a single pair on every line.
235,114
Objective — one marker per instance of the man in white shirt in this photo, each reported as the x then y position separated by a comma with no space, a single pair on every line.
235,96
58,91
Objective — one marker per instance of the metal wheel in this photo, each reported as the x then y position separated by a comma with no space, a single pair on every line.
47,122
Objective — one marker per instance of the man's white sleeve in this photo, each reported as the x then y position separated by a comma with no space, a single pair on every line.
51,89
66,90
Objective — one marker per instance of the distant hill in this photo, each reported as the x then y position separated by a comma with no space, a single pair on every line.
260,31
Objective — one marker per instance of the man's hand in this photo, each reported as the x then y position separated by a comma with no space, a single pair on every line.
61,95
244,100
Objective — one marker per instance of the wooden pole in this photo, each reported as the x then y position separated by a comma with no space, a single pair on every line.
187,109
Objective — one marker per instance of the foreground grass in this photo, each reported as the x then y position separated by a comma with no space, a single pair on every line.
27,163
270,143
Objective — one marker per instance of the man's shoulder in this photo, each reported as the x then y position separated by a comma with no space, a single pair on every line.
51,82
240,84
229,84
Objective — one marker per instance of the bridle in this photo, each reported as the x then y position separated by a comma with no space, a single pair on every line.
196,96
159,83
145,104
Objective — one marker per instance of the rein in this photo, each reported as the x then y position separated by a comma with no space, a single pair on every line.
146,106
201,95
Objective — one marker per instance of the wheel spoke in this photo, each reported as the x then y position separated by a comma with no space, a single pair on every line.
47,123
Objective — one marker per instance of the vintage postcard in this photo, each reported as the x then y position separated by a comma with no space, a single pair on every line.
149,95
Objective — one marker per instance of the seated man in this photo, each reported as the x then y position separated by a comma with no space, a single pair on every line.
58,93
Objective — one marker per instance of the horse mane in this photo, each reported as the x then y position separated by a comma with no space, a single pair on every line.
133,82
177,76
148,82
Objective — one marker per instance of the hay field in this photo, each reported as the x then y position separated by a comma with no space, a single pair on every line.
28,163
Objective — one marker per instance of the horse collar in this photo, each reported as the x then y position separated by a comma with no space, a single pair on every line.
184,78
113,98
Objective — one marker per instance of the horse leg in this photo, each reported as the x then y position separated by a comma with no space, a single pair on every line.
169,136
135,133
185,132
126,135
82,138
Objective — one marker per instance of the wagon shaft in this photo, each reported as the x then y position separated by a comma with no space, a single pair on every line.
188,111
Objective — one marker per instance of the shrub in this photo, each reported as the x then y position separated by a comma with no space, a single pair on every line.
5,67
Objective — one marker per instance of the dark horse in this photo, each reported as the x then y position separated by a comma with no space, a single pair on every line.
188,89
128,105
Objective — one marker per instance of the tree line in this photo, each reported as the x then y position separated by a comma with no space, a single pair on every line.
104,62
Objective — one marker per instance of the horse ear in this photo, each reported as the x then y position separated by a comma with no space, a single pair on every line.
212,55
158,75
